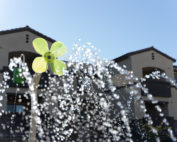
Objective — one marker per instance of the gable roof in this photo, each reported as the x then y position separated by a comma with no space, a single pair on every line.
27,28
125,56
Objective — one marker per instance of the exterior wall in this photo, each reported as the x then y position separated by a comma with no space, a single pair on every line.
118,79
127,62
144,59
14,42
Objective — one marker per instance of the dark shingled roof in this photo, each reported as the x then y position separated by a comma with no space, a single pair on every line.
123,57
27,28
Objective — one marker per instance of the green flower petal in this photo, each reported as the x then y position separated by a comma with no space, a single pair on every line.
39,65
58,49
40,45
57,67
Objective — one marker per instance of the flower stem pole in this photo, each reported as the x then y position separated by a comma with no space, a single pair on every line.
34,107
40,65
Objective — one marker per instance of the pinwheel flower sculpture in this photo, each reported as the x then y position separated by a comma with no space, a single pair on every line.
40,64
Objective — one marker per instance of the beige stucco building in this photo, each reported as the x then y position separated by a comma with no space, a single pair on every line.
13,43
144,62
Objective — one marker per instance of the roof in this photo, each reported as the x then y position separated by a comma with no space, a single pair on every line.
123,57
27,28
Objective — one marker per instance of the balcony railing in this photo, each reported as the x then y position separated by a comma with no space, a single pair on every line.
140,128
13,127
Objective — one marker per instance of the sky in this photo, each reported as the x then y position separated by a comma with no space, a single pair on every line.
115,27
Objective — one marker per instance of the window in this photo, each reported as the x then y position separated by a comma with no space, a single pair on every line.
18,103
19,108
15,108
10,108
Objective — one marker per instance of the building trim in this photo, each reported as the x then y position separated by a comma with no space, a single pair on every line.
125,56
27,28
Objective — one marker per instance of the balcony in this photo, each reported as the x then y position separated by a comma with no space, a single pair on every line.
13,129
158,88
44,81
141,131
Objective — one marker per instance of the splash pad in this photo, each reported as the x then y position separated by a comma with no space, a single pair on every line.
86,104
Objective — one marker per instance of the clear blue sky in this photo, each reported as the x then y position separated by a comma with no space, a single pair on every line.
114,26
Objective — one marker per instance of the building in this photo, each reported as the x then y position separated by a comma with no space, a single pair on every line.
144,62
13,43
18,41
